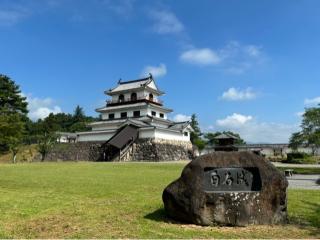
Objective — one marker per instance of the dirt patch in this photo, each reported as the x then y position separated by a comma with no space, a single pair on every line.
53,226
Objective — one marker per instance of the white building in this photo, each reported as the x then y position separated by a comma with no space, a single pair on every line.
134,111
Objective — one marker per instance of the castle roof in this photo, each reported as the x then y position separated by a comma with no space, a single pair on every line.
147,82
179,125
225,136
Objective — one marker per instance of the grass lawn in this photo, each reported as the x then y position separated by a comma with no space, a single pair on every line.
301,170
118,200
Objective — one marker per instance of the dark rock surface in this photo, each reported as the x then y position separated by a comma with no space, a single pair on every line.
189,199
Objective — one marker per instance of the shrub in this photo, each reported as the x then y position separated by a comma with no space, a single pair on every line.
296,155
299,157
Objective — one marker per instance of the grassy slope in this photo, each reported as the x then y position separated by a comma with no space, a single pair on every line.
117,200
25,154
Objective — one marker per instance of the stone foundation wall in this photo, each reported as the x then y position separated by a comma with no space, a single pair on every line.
81,151
160,150
142,150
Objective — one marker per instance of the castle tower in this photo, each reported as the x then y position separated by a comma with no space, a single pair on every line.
133,116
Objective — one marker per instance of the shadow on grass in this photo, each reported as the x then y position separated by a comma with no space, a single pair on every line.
160,215
312,219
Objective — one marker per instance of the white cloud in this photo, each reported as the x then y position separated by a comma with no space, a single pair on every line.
254,131
166,22
233,58
39,108
181,118
13,12
234,94
156,71
12,16
253,50
234,120
299,114
203,56
312,101
123,8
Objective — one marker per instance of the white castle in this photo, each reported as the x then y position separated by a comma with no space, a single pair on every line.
133,113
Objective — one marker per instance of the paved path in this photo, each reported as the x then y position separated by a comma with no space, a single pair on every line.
288,165
299,181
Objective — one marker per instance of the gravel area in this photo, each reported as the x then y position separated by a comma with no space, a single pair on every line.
299,181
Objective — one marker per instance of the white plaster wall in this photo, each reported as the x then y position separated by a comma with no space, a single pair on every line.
143,133
146,94
94,137
150,109
152,85
104,116
267,152
117,113
162,134
140,94
62,139
146,133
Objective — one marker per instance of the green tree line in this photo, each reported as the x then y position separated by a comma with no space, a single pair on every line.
17,129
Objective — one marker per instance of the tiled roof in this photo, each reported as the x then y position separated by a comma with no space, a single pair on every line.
136,122
122,86
225,136
179,125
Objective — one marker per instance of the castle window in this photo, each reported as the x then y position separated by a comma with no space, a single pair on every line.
136,113
124,115
186,134
111,115
153,113
150,97
161,115
133,97
121,98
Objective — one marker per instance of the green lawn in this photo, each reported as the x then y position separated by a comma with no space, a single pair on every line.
301,170
118,200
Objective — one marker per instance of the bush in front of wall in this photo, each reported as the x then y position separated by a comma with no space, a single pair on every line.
299,157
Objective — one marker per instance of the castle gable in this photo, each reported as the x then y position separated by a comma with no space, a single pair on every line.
134,85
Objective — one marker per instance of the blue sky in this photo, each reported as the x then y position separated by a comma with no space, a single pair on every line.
246,66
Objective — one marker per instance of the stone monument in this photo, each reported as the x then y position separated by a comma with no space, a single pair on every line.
228,188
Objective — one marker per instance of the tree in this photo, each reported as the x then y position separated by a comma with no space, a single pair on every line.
13,111
200,143
311,127
11,133
78,127
195,136
310,134
45,144
14,148
78,114
296,140
195,125
80,120
11,100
